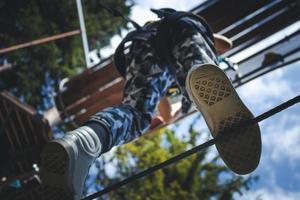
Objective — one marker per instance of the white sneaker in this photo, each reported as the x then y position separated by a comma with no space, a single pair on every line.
215,97
65,164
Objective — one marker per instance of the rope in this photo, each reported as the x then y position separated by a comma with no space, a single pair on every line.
196,149
115,12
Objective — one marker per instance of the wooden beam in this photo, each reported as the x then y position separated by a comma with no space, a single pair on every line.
88,84
253,18
13,100
25,129
96,97
4,120
111,100
39,41
22,130
266,29
220,17
10,124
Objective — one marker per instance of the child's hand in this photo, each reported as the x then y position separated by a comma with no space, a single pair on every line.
156,121
222,43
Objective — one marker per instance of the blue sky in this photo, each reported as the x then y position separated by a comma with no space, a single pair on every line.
279,168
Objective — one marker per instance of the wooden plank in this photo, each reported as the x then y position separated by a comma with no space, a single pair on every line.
29,133
256,29
254,18
3,116
22,129
10,124
45,133
31,129
219,15
16,124
288,51
89,71
285,47
96,97
40,41
112,100
25,108
89,84
23,124
262,32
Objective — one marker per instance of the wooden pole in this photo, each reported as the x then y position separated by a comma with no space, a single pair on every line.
40,41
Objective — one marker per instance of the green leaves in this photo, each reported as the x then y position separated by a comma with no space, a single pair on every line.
196,177
26,20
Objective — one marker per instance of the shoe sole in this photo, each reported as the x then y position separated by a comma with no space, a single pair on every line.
215,97
56,165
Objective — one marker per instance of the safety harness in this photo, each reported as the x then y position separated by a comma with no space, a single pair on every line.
159,37
169,19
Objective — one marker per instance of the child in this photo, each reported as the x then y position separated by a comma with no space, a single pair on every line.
179,49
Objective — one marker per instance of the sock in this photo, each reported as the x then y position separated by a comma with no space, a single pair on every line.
102,133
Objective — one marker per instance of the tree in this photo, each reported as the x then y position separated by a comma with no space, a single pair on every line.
192,178
26,20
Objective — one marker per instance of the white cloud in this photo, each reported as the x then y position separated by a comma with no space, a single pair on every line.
109,50
176,4
264,91
281,142
141,14
269,194
280,133
141,11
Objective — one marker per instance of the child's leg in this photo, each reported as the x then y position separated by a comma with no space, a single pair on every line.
146,83
66,161
213,94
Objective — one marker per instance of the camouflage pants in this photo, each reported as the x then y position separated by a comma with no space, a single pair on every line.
146,82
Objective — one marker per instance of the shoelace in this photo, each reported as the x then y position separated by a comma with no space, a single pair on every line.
89,140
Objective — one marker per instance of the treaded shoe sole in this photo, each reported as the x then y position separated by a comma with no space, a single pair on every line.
215,97
56,165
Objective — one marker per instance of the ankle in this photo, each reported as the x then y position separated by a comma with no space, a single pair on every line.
102,133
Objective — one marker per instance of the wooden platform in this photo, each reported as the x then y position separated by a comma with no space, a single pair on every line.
23,134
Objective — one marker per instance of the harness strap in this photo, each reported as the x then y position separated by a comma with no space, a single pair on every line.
172,16
167,23
119,56
115,12
161,41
